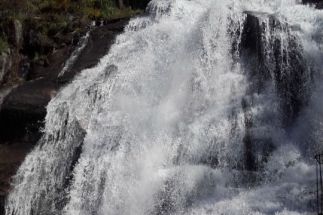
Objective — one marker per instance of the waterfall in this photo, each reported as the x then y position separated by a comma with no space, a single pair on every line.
200,107
71,60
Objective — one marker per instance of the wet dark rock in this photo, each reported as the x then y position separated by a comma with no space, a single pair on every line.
23,110
11,57
318,3
101,39
2,203
36,42
287,68
50,68
137,4
268,62
5,64
11,157
14,29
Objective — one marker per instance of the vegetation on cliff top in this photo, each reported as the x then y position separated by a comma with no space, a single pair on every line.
51,22
34,29
88,8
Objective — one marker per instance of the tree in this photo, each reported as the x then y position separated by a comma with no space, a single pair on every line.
120,4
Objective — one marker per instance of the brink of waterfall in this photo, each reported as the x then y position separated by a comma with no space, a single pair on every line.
200,107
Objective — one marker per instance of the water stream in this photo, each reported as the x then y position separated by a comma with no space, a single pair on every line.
201,107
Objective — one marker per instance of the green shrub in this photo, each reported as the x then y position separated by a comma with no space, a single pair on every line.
98,8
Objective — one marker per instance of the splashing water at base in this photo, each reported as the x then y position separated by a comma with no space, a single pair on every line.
202,107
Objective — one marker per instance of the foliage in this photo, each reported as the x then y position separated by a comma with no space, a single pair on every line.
92,9
51,24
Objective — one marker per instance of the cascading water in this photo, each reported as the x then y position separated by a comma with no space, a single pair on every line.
80,46
202,107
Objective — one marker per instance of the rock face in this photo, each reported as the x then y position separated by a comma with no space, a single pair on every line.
5,64
23,110
277,60
137,4
318,3
99,42
10,58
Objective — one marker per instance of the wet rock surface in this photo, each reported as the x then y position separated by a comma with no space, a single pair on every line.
23,110
99,42
318,3
10,159
5,64
262,60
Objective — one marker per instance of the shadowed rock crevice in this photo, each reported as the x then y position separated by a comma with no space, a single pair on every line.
271,59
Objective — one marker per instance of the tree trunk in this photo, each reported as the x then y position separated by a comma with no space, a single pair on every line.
120,4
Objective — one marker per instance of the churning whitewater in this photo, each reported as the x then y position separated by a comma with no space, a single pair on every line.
200,107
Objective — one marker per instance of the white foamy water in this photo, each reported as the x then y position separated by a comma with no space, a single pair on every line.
183,116
74,55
